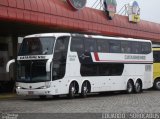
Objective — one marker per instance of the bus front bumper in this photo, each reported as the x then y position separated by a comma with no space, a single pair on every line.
33,92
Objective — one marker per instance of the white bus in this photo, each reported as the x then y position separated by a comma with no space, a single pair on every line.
64,63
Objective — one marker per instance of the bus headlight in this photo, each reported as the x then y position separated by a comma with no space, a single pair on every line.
17,86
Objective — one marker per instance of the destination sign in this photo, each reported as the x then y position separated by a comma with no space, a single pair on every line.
32,57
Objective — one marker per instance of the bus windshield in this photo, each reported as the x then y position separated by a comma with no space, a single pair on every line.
37,46
32,71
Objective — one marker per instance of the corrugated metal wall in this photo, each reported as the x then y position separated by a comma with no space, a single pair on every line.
58,14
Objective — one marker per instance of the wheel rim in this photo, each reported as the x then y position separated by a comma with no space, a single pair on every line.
86,87
129,88
138,87
158,85
73,91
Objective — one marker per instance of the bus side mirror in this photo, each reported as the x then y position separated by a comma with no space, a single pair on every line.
8,64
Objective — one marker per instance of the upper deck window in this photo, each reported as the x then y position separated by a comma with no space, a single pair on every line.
146,48
114,46
125,47
77,44
90,45
37,46
102,45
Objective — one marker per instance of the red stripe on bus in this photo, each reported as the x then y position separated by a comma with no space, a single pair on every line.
97,59
96,56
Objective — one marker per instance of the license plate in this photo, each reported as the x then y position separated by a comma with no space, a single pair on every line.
30,93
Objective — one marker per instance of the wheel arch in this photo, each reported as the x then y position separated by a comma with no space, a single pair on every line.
131,81
157,78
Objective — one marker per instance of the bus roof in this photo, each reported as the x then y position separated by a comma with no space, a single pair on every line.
48,35
84,35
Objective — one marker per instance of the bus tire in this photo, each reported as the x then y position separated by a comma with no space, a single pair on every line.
157,84
130,87
85,89
55,96
42,96
72,90
138,86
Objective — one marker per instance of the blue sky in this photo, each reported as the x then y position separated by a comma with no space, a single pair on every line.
150,9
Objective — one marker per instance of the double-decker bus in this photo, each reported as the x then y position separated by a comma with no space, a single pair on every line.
64,63
156,67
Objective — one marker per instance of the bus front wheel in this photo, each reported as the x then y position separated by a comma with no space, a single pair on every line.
72,90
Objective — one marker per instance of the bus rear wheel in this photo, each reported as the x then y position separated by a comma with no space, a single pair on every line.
85,89
138,87
130,87
157,84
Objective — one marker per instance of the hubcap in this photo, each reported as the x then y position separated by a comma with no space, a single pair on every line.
138,87
85,89
73,90
158,84
129,87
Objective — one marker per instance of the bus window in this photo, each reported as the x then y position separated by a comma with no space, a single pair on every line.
60,52
102,69
77,44
146,48
114,46
136,48
102,45
90,45
88,70
125,47
37,46
60,57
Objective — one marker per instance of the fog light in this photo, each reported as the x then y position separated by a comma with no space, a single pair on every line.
18,87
